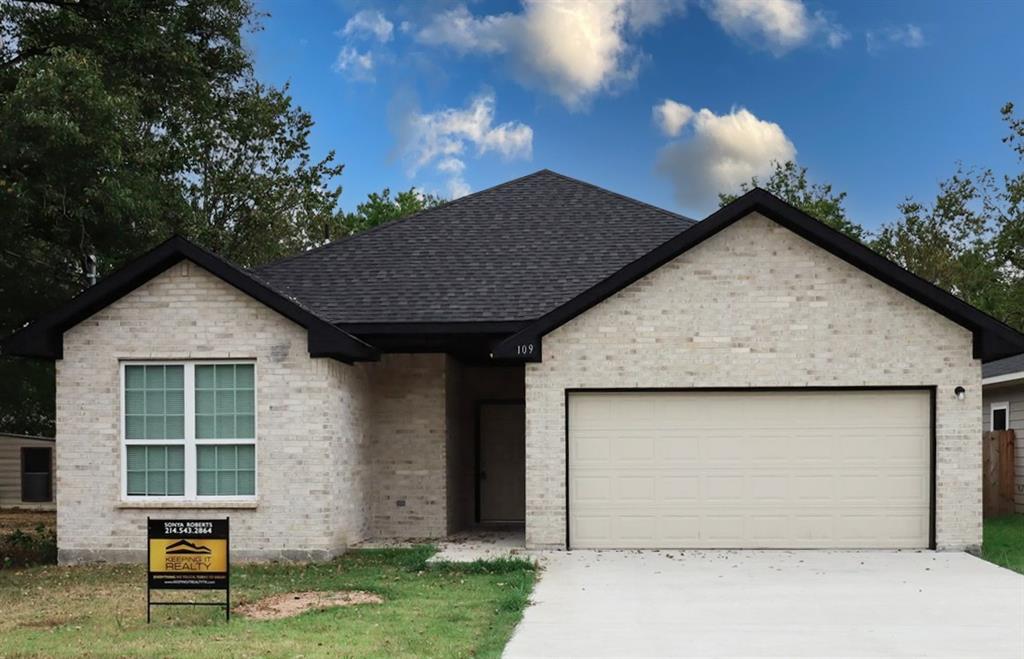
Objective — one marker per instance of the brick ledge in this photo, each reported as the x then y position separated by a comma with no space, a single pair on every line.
194,505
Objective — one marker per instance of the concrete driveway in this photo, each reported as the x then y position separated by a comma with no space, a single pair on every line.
772,604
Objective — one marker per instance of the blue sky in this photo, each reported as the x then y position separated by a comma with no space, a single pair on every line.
881,99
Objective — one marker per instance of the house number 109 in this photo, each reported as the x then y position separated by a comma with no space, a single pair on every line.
524,349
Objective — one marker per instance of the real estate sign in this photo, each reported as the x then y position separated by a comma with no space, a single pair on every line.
188,555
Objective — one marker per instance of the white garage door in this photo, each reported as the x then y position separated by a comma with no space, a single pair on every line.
790,469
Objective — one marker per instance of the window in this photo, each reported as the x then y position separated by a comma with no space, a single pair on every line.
1000,416
36,479
189,430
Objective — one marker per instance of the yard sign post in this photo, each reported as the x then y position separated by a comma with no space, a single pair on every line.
188,555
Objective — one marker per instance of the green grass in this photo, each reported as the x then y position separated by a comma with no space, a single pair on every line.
1003,542
447,610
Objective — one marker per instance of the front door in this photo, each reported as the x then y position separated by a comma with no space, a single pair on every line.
502,461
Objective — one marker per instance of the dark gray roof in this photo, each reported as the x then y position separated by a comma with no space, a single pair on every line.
509,253
1003,366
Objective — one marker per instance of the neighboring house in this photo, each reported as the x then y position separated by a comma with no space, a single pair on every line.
1003,406
544,351
26,472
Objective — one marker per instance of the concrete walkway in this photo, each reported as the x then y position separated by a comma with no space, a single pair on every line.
480,546
772,604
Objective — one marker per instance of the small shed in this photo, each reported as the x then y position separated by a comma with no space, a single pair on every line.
26,472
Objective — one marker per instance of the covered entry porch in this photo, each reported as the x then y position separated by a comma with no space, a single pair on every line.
485,452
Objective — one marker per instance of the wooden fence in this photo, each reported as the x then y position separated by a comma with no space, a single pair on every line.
998,464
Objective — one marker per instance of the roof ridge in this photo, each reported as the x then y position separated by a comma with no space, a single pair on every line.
379,227
619,195
453,202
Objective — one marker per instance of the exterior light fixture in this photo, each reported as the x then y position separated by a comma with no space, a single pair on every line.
960,393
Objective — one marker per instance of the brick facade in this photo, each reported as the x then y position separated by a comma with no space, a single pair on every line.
382,449
337,445
409,429
756,305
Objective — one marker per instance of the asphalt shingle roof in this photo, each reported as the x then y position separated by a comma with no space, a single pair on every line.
509,253
1003,366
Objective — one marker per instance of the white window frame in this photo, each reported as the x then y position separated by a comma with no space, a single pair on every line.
1005,405
190,442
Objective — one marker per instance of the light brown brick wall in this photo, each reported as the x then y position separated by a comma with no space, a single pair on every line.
755,306
408,446
312,442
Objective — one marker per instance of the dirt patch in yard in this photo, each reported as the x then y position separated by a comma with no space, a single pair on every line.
287,605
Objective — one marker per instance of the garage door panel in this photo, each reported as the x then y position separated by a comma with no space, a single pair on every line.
635,449
858,477
773,528
638,488
774,488
592,530
677,448
587,447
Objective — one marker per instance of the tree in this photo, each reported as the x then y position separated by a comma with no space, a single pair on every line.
949,242
789,182
970,241
1009,241
380,208
125,122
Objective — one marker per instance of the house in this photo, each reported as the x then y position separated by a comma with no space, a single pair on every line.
545,352
26,472
1003,409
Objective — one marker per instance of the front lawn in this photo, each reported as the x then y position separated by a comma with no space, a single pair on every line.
446,610
1003,542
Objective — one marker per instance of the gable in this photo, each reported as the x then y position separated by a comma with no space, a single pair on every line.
44,337
991,339
756,301
185,311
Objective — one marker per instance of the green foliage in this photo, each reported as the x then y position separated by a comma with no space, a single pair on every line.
789,182
950,242
126,122
19,548
380,208
970,240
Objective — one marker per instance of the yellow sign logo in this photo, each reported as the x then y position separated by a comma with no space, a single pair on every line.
180,555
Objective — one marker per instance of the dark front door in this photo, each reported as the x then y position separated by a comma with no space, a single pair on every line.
502,461
36,477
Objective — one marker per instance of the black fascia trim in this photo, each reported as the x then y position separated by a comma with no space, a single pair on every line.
44,337
436,327
932,421
992,338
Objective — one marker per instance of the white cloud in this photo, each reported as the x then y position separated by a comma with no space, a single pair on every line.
442,138
573,50
908,36
451,166
465,33
369,22
722,152
671,116
355,65
836,36
777,25
458,187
